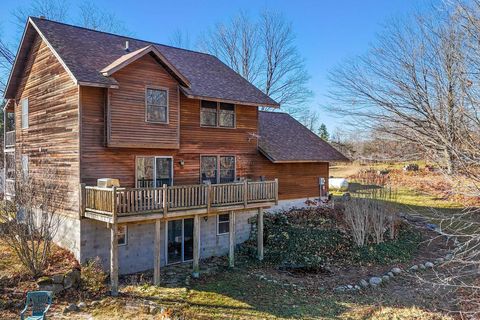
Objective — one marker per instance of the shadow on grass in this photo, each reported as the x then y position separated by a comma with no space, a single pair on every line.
239,294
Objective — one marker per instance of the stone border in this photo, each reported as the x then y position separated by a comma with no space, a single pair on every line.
376,281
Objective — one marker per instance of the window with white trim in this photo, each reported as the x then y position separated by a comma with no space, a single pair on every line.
25,166
156,104
223,223
217,114
24,104
122,235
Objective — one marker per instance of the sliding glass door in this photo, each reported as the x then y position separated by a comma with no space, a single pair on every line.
154,172
179,240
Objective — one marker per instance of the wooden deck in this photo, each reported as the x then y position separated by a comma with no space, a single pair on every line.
135,204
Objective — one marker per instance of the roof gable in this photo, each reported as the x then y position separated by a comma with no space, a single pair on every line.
283,139
29,34
128,58
85,53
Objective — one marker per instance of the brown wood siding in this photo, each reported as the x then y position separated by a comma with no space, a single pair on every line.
99,161
295,180
129,129
51,141
127,125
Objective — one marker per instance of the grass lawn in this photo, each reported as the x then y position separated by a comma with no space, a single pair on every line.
237,294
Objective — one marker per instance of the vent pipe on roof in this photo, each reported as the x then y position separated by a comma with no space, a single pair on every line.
126,46
42,17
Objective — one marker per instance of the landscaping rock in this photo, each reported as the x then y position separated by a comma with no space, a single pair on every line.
81,305
357,287
72,279
428,264
72,308
414,268
449,257
340,289
385,278
363,283
390,274
153,310
43,281
57,278
439,260
422,266
396,270
54,287
375,281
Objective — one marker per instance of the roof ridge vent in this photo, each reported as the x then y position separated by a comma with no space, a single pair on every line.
127,47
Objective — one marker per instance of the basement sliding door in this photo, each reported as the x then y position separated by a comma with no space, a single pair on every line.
179,240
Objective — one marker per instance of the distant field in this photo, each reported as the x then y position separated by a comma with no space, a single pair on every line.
418,190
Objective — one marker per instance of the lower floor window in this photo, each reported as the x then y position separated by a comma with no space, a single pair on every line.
223,223
122,235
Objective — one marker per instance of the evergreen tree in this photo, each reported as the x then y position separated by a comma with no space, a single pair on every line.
323,132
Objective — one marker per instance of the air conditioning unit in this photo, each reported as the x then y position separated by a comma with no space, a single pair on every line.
108,183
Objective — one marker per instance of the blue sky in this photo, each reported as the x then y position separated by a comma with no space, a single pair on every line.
327,31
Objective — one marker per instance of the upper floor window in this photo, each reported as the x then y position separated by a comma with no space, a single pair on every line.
156,105
24,104
217,114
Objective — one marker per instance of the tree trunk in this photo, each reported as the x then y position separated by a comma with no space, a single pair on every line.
449,162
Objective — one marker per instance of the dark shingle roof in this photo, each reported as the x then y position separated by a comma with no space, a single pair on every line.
85,52
284,139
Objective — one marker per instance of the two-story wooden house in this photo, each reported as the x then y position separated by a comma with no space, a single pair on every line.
180,131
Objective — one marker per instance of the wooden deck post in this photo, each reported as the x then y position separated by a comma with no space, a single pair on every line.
114,247
196,246
82,201
157,255
276,191
245,193
164,200
231,252
113,260
209,197
260,234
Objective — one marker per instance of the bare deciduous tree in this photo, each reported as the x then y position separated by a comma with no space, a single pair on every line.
50,9
263,52
31,220
181,39
411,85
90,16
93,17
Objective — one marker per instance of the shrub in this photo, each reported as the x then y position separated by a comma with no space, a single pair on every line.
370,215
93,276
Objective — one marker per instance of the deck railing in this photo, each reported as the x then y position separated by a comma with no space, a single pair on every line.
9,139
128,201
